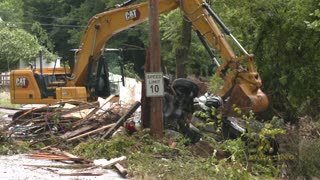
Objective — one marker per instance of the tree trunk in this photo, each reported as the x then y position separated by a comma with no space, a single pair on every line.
181,52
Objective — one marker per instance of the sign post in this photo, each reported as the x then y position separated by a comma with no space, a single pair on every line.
154,88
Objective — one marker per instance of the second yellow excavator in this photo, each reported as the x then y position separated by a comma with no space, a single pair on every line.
89,77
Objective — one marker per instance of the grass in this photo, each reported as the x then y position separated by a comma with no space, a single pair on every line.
150,158
5,100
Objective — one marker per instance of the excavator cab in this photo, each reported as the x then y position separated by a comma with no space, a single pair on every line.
109,74
49,85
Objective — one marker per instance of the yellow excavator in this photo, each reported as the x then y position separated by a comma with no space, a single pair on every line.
89,77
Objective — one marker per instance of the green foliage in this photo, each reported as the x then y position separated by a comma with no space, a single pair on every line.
197,61
286,50
20,40
5,101
170,25
17,44
157,159
41,35
99,148
308,160
11,10
150,158
236,148
251,154
315,24
249,150
9,147
215,83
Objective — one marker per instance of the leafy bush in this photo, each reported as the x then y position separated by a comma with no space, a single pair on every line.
9,147
307,164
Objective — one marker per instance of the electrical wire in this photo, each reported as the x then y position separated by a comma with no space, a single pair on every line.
44,24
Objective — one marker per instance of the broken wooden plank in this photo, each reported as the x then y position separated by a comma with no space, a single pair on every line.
122,171
57,157
92,132
56,150
83,129
81,174
79,108
93,111
133,108
72,166
108,163
23,113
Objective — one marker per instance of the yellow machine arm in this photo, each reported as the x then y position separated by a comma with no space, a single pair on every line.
103,26
242,85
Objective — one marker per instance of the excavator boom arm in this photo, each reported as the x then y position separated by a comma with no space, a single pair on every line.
241,84
103,26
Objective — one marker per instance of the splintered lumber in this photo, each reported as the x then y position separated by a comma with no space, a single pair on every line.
53,110
92,132
133,108
78,108
64,153
108,163
23,113
83,129
97,109
81,174
123,172
93,111
57,157
53,119
72,166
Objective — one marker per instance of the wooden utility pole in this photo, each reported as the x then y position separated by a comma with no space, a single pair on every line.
155,66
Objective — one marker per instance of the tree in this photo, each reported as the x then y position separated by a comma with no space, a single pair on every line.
17,44
177,38
11,10
286,50
315,24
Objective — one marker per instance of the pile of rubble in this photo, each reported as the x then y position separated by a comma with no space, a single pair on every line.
70,120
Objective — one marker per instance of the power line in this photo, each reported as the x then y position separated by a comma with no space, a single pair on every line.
36,15
47,17
43,24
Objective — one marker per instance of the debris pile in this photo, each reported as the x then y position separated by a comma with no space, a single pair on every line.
70,120
76,166
73,121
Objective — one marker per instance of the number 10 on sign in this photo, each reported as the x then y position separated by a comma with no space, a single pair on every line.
154,84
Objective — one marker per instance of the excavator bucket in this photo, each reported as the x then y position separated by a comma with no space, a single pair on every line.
245,100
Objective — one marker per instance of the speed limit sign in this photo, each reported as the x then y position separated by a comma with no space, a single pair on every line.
154,84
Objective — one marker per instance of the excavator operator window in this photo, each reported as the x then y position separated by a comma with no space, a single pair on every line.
114,61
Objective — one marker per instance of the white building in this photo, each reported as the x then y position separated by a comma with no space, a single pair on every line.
5,76
45,64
